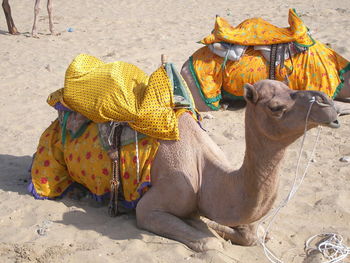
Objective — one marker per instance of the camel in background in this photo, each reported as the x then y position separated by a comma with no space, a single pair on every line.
341,102
10,24
192,176
255,50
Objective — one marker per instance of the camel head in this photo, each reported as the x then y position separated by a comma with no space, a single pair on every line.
280,113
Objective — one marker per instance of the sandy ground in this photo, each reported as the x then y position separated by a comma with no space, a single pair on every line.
139,32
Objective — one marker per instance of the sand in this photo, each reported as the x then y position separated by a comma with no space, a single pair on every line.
139,32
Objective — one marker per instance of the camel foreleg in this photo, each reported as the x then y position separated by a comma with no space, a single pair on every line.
244,235
152,218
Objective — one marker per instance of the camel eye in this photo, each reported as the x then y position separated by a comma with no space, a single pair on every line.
277,111
320,99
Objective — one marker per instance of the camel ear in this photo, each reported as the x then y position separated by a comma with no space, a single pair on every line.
250,94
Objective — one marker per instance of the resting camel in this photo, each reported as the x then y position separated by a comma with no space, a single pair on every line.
256,50
341,100
193,177
10,24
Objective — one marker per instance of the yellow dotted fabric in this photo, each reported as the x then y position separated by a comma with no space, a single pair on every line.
256,31
83,160
120,91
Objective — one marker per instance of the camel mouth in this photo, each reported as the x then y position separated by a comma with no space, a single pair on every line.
334,124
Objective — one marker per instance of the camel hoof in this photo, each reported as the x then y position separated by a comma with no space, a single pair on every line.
55,33
206,244
14,32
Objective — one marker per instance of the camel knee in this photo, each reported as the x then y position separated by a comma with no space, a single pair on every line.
49,8
36,11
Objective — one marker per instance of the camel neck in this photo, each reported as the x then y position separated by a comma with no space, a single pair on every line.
258,175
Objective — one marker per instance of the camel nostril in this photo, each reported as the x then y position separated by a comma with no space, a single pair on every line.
334,124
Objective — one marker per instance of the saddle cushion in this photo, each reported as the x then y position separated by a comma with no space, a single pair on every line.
120,91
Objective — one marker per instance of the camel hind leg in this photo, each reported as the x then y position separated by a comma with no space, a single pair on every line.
342,103
10,24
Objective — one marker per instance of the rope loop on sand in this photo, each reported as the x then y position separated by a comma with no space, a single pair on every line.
331,246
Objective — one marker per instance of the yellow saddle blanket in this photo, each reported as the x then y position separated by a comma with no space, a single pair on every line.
84,160
319,68
120,91
256,31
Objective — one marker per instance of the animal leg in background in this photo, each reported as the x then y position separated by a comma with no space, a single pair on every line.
49,11
10,24
36,13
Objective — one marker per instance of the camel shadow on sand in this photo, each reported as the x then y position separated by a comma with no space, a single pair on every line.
14,173
84,214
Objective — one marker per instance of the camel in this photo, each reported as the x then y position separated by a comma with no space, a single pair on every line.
341,100
36,13
256,50
10,24
192,176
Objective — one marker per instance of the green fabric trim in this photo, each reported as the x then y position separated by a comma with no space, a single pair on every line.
341,76
231,96
64,125
179,87
302,45
80,131
207,101
223,65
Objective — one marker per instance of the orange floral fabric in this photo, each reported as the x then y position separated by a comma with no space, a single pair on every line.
256,31
316,69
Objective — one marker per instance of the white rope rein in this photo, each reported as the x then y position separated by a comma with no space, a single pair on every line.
137,157
335,252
